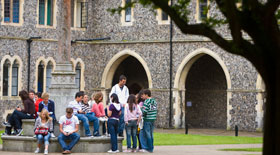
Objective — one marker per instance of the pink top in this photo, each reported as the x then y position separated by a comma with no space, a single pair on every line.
128,115
98,109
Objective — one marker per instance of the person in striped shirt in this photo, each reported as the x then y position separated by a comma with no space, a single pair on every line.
149,114
90,115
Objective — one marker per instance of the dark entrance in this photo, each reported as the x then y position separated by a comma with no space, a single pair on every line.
206,98
135,74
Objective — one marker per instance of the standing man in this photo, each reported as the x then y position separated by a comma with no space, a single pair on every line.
76,105
122,91
68,126
149,113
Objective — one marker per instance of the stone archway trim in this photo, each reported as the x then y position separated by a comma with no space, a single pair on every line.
107,76
260,87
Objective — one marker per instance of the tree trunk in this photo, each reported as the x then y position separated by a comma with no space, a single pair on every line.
271,143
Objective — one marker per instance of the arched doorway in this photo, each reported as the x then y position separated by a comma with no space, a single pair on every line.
133,66
206,95
135,74
186,80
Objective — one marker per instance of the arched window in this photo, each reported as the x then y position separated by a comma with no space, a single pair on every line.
49,76
40,87
15,69
6,76
78,76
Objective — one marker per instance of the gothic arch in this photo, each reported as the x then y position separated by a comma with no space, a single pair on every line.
12,60
180,79
82,65
114,62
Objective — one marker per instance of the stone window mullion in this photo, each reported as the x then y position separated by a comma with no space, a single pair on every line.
10,80
45,78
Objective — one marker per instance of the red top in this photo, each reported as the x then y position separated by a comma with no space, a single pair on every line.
98,109
37,104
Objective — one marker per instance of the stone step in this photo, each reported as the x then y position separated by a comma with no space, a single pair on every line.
28,128
85,145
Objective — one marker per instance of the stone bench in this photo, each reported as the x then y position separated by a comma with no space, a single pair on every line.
28,128
85,145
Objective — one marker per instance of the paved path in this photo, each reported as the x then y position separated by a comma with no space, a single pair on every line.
180,150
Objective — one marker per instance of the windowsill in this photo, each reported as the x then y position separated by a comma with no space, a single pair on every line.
163,22
127,23
78,29
10,98
45,26
11,24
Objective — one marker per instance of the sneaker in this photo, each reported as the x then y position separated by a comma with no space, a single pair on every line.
110,151
143,151
46,152
52,135
37,150
128,150
6,124
120,134
66,152
19,132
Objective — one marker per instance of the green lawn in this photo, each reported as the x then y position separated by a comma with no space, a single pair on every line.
244,149
1,131
182,139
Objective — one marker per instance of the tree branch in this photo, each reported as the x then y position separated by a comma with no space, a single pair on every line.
271,6
231,13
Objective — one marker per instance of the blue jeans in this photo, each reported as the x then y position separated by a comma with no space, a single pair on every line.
16,117
46,139
143,142
113,130
121,122
84,119
131,129
148,137
91,117
74,137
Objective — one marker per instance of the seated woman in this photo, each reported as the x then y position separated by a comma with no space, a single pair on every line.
49,106
98,109
44,121
27,113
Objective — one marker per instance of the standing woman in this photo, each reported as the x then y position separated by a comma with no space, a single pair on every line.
114,112
132,117
139,102
43,122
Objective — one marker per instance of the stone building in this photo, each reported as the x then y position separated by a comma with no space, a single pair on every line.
210,87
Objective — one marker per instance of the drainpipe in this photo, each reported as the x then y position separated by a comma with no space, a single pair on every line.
29,41
170,67
95,39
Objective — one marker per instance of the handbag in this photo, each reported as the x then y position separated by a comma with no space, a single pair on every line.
41,131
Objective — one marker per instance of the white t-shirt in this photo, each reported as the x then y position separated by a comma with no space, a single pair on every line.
76,106
68,125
